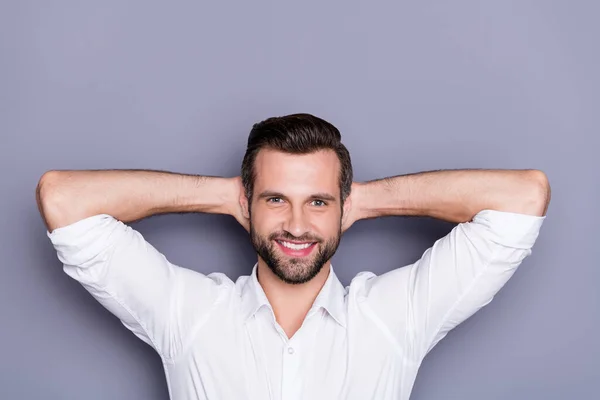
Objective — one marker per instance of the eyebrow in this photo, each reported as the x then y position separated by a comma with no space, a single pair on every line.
314,196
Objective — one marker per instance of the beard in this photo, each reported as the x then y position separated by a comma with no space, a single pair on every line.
294,270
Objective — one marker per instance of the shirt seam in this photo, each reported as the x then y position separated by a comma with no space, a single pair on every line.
194,331
139,321
168,378
465,293
131,313
387,333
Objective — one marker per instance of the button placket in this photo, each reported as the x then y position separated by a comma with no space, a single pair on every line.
290,373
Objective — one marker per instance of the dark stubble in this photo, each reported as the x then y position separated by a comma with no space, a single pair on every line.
294,270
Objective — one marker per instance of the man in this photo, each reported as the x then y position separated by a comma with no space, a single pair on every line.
290,330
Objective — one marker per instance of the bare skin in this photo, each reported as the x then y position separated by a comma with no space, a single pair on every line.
300,195
294,194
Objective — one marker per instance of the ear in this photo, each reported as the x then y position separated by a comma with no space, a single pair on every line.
347,208
244,205
347,205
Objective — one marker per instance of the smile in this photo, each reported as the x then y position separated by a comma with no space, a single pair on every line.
296,249
295,246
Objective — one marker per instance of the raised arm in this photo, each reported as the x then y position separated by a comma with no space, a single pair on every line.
499,214
65,197
452,195
86,214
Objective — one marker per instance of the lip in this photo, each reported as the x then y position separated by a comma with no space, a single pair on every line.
296,253
292,241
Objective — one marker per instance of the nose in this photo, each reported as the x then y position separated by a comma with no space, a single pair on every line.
297,222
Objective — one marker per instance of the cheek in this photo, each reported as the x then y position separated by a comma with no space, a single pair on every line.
263,222
328,225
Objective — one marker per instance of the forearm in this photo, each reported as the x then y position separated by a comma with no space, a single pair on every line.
455,195
65,197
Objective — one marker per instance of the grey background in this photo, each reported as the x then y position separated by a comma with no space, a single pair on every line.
412,87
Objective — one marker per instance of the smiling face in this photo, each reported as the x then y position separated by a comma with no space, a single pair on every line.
295,218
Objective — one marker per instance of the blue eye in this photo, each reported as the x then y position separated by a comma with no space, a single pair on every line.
278,200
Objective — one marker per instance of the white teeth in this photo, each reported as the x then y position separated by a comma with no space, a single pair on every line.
295,246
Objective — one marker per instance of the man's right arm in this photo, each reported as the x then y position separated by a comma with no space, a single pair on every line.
86,214
65,197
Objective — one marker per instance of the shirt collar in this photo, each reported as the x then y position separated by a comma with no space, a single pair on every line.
331,297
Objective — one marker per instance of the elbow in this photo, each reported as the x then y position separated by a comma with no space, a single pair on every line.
46,187
540,196
48,198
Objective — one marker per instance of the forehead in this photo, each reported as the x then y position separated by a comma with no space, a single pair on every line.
299,174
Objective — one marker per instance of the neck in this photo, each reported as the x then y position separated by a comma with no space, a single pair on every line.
290,303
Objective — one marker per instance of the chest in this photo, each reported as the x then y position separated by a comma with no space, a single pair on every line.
323,360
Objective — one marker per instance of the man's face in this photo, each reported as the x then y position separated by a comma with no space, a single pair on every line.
295,218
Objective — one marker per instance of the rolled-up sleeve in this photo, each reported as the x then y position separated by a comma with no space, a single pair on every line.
133,280
454,278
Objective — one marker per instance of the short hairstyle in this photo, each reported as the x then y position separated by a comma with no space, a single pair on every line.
295,134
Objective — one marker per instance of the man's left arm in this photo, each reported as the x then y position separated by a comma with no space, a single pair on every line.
498,215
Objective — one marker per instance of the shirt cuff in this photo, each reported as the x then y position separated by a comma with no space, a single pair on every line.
82,240
509,228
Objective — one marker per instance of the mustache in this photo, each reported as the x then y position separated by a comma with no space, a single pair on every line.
289,237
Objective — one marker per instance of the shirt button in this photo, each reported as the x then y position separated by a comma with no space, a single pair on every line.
291,350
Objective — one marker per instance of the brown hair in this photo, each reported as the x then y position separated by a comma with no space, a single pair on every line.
295,134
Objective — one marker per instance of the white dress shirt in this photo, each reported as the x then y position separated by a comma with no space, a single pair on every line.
219,339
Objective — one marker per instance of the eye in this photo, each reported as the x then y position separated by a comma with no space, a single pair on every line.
321,203
274,200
